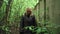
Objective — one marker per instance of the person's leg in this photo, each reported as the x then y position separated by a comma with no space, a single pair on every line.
33,32
28,32
21,32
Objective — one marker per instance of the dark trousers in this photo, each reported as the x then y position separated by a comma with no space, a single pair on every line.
27,32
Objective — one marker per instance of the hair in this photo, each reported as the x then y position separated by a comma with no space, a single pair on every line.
28,10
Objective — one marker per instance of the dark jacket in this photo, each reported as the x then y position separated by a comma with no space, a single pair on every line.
27,21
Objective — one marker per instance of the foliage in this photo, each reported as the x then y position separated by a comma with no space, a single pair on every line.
16,9
38,30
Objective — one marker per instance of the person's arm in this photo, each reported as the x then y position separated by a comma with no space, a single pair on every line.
34,21
21,23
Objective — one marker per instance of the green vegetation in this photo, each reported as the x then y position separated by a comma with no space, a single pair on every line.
12,10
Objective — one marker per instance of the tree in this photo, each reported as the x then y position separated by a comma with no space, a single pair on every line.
1,2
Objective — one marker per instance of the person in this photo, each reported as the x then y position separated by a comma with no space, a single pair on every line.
27,20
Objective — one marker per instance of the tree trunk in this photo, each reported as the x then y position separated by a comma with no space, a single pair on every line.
1,2
54,12
7,10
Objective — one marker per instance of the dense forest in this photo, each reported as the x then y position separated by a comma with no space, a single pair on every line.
47,13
